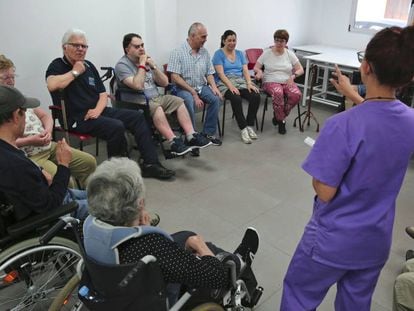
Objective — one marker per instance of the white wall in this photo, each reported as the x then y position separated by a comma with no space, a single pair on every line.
330,22
31,33
253,21
32,29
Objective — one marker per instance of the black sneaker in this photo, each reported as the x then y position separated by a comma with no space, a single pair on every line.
178,147
275,122
195,152
409,254
282,127
248,246
199,141
156,170
410,231
214,140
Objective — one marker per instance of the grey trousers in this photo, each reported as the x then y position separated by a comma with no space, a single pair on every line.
404,288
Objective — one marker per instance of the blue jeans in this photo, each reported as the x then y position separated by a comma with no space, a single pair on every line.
80,197
213,105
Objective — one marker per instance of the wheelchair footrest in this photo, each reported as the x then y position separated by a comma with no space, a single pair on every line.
257,294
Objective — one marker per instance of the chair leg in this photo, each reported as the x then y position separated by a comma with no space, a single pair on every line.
224,117
204,112
299,118
264,112
219,128
80,145
97,146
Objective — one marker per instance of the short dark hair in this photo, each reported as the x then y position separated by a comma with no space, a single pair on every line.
5,117
281,34
226,34
127,40
390,55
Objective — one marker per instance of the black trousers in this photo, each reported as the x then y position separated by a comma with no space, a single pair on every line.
111,126
236,104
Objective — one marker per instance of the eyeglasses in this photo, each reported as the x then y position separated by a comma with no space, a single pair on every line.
137,46
8,78
78,46
279,40
361,56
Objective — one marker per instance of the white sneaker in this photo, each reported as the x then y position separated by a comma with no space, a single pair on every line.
245,137
251,132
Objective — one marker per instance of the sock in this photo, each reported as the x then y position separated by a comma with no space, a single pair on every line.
172,140
190,136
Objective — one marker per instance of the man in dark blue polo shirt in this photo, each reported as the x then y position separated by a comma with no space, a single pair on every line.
86,100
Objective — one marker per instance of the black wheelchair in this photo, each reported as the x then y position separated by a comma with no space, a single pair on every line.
32,274
139,286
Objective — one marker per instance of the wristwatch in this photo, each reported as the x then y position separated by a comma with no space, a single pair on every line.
75,73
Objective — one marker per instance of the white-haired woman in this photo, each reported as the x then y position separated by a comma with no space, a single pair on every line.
116,200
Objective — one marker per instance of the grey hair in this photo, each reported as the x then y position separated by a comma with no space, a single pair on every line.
114,191
194,27
72,32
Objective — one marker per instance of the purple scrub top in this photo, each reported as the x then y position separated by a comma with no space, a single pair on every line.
363,152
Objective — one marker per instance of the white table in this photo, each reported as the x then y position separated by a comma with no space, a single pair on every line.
326,57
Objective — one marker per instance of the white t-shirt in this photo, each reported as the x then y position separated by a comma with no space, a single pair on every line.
277,68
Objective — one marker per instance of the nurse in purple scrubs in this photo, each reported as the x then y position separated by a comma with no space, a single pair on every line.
358,164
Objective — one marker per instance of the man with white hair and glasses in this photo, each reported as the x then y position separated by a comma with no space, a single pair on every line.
86,100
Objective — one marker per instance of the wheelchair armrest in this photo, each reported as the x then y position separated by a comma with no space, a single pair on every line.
34,222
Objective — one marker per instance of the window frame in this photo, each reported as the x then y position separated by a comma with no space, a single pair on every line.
352,20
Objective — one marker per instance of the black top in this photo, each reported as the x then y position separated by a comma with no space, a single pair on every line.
82,93
177,265
24,185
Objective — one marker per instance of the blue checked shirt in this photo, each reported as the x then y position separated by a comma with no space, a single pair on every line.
194,69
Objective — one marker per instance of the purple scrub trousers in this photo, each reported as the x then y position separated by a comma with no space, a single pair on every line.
307,282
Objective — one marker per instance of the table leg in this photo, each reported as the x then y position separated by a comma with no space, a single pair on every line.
305,84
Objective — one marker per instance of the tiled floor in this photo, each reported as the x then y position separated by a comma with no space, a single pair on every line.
234,186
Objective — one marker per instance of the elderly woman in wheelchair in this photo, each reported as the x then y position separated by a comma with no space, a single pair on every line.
117,232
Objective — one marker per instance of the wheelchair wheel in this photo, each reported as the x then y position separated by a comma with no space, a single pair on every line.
31,274
67,298
209,306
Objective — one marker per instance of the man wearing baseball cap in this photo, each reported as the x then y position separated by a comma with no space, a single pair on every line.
24,184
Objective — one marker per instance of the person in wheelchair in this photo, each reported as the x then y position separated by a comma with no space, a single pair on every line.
25,185
136,70
117,214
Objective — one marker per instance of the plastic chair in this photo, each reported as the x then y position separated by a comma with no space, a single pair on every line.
252,55
58,120
285,100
